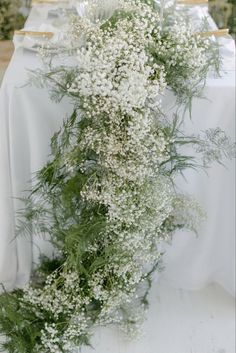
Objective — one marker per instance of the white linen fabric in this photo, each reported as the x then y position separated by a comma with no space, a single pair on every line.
28,119
193,262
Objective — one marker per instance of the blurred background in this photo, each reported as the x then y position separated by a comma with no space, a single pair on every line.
13,14
224,14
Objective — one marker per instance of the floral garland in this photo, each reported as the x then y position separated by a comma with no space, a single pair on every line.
107,198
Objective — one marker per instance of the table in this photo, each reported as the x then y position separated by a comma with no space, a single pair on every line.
28,119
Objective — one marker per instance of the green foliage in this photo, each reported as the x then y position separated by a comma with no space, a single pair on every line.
232,18
10,18
20,323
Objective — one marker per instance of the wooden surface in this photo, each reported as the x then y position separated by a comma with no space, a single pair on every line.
34,33
6,51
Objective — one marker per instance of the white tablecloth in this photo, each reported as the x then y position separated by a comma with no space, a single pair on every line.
28,119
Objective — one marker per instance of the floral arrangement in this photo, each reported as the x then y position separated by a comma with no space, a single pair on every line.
107,197
10,18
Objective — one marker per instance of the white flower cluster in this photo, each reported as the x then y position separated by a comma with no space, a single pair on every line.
185,54
187,212
56,296
130,86
61,296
